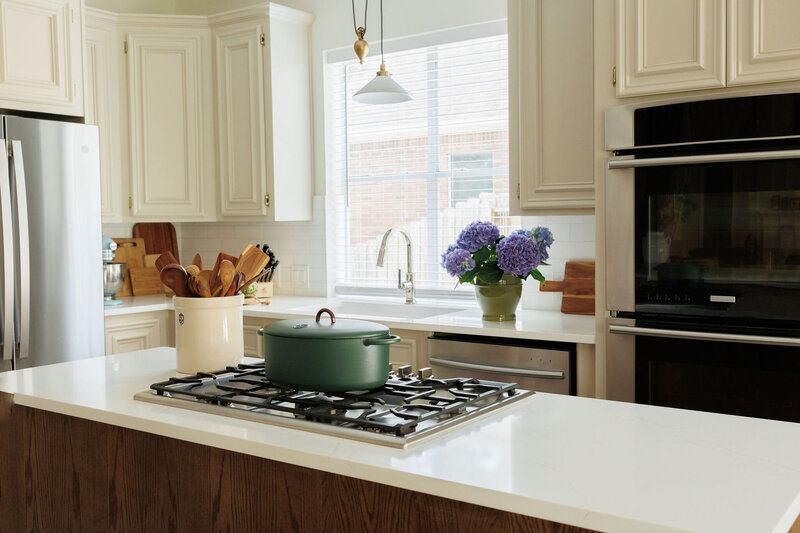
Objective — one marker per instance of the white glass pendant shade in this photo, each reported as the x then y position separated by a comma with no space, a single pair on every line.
382,90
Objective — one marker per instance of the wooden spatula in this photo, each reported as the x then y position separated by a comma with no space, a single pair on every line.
251,262
198,261
226,274
215,282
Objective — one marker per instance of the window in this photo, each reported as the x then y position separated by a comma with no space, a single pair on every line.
429,166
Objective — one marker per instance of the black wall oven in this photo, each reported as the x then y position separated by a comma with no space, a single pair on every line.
703,253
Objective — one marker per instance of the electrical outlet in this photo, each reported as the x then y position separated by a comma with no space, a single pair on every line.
299,275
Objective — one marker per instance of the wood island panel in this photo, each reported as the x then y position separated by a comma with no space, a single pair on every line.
66,474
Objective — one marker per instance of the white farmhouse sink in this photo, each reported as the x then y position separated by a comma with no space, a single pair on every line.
385,310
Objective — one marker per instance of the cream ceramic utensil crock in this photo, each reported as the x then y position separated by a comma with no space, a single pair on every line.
208,333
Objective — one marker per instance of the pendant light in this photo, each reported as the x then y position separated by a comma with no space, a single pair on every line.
382,89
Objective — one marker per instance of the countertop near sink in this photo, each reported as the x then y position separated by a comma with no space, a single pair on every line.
530,324
602,465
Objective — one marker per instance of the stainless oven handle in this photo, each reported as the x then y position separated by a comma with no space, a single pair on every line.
521,372
614,164
702,335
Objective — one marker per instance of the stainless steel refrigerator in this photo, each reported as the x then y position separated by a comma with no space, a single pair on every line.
51,288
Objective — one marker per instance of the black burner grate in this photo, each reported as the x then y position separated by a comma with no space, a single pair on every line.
403,406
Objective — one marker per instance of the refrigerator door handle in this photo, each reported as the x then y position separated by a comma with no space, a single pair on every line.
7,283
24,251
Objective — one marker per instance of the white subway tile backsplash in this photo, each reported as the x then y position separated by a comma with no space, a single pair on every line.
581,233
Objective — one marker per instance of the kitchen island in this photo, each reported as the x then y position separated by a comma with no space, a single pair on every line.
592,464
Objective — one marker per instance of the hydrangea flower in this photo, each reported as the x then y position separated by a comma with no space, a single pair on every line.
477,234
458,262
544,238
518,254
447,252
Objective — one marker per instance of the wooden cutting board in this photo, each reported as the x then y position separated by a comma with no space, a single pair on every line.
578,288
159,237
131,252
146,280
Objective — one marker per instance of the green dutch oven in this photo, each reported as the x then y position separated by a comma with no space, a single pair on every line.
327,355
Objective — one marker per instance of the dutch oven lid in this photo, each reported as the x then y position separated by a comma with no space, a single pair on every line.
323,329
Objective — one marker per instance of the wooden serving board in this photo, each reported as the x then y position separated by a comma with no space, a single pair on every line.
131,252
578,288
159,237
146,280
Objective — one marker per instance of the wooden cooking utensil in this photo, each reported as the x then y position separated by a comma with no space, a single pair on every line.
193,270
237,280
166,259
226,273
201,286
251,262
198,261
215,282
174,276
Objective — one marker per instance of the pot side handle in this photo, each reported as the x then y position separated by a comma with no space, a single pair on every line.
262,332
379,341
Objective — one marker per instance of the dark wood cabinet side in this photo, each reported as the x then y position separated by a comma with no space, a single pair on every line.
66,474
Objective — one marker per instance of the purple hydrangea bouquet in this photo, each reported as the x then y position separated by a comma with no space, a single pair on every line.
482,254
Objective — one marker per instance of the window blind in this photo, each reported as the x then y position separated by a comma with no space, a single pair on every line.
428,166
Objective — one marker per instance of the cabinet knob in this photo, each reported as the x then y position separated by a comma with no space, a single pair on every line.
266,200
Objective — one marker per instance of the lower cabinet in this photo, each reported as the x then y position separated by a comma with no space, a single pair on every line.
140,331
253,343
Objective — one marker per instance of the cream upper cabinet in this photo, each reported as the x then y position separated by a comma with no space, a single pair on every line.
170,118
41,50
763,41
551,106
263,84
102,106
670,45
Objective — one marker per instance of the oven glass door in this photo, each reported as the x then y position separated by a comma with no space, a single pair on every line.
719,240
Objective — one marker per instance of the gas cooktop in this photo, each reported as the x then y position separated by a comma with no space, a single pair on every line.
406,409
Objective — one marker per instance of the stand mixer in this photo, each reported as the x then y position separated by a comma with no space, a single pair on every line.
113,273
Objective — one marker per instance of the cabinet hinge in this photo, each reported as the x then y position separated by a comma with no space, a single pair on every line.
125,46
263,40
518,192
130,202
614,76
266,200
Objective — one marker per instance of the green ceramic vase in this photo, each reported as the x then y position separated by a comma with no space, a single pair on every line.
499,300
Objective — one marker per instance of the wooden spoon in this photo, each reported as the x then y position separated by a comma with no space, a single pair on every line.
174,276
165,259
201,285
193,270
226,273
198,261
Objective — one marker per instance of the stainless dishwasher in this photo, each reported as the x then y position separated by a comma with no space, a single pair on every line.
534,365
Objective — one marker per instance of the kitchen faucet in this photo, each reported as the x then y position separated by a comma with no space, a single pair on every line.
408,284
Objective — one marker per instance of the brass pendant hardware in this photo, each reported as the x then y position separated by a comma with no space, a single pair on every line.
125,46
614,76
361,46
266,200
263,40
130,202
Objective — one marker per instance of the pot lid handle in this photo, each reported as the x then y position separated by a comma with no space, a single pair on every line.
330,313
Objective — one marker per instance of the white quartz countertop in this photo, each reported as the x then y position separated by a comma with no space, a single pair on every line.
530,324
597,464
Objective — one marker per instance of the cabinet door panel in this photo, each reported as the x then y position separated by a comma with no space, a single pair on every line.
136,334
670,45
41,54
101,106
763,41
551,105
240,90
166,125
